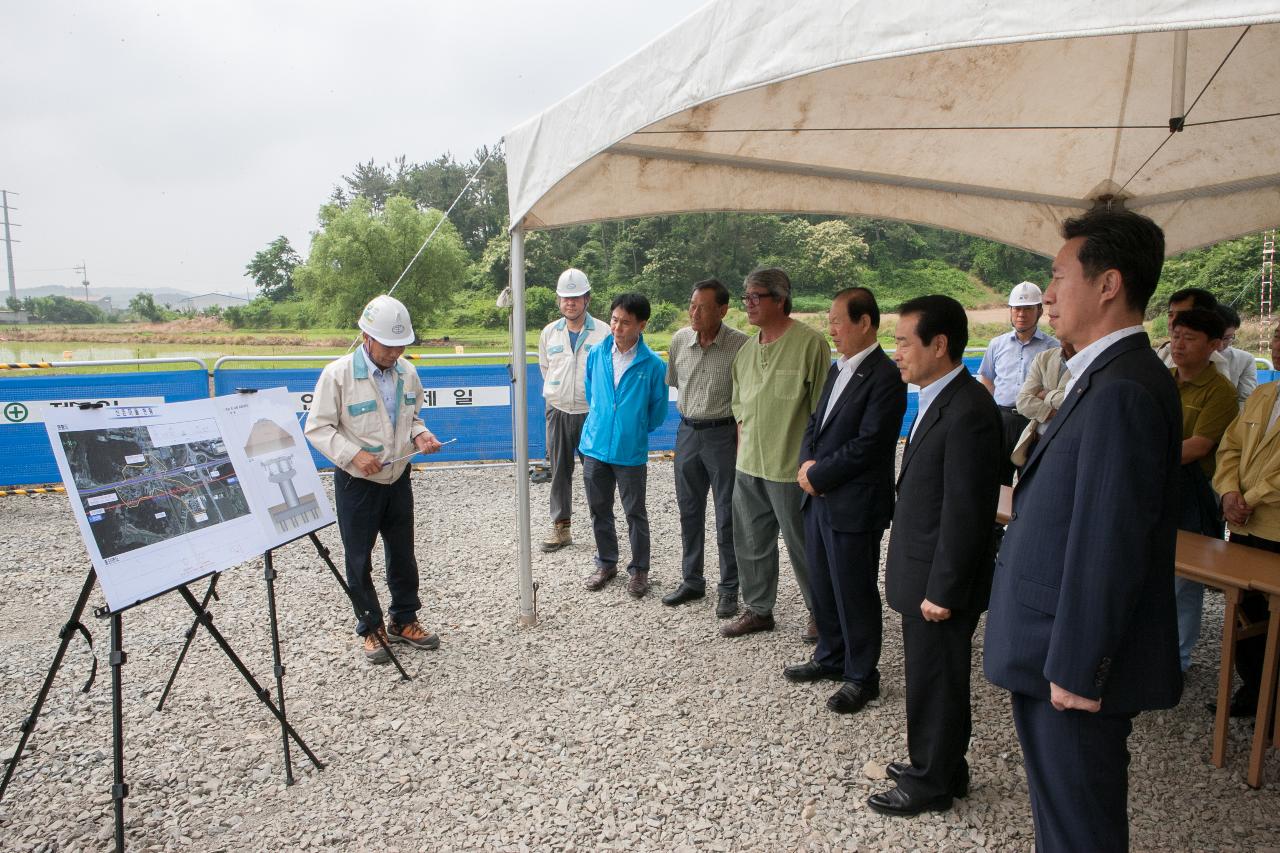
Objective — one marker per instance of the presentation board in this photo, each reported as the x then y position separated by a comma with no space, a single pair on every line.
167,493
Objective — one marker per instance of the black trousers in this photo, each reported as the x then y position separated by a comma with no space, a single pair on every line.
1077,767
843,569
705,460
937,658
1249,652
1014,424
600,479
366,509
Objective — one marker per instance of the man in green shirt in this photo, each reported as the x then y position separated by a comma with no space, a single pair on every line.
1208,408
777,379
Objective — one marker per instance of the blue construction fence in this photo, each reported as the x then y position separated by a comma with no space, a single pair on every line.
470,403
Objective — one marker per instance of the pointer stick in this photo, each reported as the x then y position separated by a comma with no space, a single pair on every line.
414,453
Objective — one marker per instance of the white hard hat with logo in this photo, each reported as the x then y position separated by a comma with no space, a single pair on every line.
386,320
573,282
1024,294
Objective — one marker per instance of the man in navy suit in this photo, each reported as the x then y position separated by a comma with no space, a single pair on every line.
938,570
1083,628
846,471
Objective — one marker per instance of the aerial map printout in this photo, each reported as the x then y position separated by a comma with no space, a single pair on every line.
168,493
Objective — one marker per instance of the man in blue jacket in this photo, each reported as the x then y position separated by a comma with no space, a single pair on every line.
626,400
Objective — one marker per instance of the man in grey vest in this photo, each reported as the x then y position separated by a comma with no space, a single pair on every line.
562,357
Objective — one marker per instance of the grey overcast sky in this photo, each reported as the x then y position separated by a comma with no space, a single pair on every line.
164,143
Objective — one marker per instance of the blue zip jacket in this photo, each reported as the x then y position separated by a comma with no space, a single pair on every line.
620,419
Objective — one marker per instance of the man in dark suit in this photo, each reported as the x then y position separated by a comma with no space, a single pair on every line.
1083,627
846,471
938,572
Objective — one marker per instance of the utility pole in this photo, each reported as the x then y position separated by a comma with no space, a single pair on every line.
8,242
84,278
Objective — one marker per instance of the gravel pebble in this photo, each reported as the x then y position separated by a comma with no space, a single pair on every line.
614,724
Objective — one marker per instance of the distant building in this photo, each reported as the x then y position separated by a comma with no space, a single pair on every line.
208,300
11,317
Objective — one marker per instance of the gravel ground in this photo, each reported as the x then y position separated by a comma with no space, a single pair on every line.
614,724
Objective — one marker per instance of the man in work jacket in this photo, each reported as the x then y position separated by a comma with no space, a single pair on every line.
365,413
563,347
627,400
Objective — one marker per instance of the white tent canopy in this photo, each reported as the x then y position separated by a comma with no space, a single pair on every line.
996,119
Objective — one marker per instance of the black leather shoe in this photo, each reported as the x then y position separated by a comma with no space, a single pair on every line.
727,605
1238,708
896,802
852,698
810,670
681,595
959,788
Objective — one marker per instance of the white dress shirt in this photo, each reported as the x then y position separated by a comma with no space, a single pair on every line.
622,360
847,365
929,393
1080,362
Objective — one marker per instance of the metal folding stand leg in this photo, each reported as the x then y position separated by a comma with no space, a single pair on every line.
68,631
209,594
269,573
328,561
119,790
206,619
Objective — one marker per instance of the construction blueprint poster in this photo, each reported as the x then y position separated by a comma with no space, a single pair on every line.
167,493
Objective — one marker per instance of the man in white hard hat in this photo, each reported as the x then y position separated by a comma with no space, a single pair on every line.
562,357
1007,360
367,411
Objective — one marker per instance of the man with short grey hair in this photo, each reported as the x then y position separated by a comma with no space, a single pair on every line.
700,364
777,379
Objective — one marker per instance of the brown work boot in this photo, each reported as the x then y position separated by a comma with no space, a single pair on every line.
748,623
558,537
374,651
413,634
638,586
599,578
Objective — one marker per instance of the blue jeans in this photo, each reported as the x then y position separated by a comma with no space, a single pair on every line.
1189,596
366,509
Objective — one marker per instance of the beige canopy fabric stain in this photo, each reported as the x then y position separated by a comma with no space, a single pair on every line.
996,120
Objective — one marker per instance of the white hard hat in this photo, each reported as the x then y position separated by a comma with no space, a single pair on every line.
386,320
1024,294
573,282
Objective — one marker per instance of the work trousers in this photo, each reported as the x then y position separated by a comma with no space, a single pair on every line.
1250,651
1077,767
937,659
564,431
762,508
601,479
705,462
843,570
365,510
1013,424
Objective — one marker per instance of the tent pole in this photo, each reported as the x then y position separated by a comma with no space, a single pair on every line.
520,405
1178,90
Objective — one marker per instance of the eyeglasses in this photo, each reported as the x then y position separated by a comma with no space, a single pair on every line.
754,298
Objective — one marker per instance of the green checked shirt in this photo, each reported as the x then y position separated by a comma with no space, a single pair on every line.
704,376
775,388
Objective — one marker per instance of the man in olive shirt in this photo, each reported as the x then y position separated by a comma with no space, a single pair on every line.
1208,408
700,364
777,379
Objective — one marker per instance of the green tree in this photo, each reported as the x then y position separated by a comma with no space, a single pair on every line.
60,309
144,305
360,252
272,269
